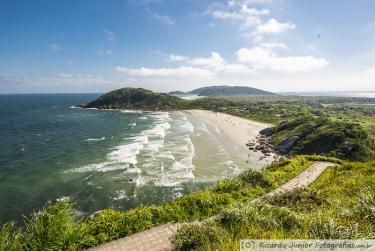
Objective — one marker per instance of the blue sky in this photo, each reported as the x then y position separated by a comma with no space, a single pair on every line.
164,45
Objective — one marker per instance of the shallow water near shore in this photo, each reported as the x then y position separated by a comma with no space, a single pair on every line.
103,159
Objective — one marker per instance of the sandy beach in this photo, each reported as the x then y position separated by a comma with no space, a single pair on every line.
238,130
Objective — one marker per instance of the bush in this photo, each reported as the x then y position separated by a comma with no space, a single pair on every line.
263,215
10,238
54,228
201,204
111,224
304,199
255,178
228,186
198,236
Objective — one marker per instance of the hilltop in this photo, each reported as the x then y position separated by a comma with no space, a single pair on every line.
137,99
320,135
214,91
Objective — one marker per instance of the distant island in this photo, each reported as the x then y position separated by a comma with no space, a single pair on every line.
136,99
214,91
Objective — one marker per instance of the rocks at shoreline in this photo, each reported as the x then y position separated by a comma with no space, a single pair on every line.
263,144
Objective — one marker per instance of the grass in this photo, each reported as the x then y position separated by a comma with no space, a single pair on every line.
340,204
56,226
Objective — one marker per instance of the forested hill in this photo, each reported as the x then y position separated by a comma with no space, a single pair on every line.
137,99
228,91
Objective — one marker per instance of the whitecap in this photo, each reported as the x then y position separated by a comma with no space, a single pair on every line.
95,139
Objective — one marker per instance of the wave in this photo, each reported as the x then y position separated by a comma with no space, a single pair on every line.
124,157
95,139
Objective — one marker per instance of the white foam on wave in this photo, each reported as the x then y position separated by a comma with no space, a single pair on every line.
124,157
129,111
95,139
181,169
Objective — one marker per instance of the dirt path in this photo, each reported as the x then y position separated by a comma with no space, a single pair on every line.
157,238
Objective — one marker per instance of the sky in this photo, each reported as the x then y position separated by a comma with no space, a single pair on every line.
166,45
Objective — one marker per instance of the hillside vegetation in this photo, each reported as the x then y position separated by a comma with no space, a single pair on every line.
212,91
320,135
136,98
338,205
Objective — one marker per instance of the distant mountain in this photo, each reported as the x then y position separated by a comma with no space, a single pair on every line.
178,93
136,99
228,91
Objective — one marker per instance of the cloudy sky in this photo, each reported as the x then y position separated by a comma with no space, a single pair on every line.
164,45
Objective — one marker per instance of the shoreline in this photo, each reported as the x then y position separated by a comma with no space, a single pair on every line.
239,130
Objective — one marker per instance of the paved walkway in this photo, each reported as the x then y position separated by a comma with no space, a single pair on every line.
157,238
302,180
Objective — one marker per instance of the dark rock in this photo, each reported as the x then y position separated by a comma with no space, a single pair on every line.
286,144
266,132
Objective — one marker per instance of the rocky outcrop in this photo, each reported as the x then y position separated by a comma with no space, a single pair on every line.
285,146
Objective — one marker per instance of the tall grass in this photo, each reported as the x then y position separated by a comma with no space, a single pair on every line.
10,238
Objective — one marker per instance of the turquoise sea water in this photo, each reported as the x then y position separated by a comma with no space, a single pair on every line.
100,159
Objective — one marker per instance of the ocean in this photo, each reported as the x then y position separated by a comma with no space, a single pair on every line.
100,159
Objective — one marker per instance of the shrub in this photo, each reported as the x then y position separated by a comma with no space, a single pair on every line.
263,215
228,186
202,203
111,224
255,178
54,228
279,217
304,199
323,158
10,238
198,236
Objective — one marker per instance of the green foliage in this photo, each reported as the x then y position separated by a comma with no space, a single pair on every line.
281,172
138,99
365,208
255,178
54,228
263,215
303,199
338,205
195,236
319,135
10,238
228,91
319,229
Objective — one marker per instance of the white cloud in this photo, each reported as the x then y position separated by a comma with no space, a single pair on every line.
110,35
261,58
55,47
106,52
272,26
164,19
182,71
177,58
217,64
252,20
238,11
273,45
